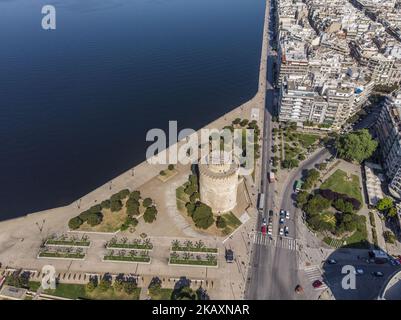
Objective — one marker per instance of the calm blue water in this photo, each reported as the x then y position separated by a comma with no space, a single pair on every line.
76,103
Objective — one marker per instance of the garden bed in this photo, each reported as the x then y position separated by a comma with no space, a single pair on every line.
192,262
132,259
62,255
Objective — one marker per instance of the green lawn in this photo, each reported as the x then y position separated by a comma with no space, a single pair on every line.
165,294
306,140
75,291
338,182
64,290
359,239
232,222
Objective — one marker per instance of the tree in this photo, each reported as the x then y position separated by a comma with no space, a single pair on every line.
75,223
135,195
356,146
385,204
311,178
171,167
392,212
193,197
343,206
132,207
184,293
147,202
302,198
290,163
104,284
389,237
190,208
116,205
237,121
92,284
129,286
95,209
150,214
95,218
317,204
118,285
155,287
203,216
220,222
105,204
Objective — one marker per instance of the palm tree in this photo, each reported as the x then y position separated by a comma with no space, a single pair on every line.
147,243
174,255
175,244
188,244
199,244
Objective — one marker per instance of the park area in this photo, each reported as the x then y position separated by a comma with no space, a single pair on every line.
341,182
331,209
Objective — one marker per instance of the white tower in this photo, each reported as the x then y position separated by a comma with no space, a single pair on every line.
218,181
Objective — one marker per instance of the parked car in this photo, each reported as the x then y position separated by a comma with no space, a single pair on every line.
264,222
281,221
286,231
331,261
378,274
264,229
270,231
317,284
270,213
281,232
229,256
287,215
359,271
282,213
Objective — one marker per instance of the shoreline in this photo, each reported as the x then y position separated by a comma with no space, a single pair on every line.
89,199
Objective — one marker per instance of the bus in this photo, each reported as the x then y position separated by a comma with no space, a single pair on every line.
298,186
261,201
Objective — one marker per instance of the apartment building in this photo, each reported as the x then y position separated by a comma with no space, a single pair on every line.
388,129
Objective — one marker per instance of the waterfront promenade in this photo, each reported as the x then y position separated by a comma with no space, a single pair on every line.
21,238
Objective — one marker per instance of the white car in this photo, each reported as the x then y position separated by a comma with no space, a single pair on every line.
359,271
287,215
270,231
281,231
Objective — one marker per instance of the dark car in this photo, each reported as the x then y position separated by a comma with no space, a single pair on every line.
331,261
229,256
270,213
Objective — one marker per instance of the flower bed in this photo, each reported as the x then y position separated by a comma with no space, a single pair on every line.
127,258
70,243
193,262
130,246
194,249
61,255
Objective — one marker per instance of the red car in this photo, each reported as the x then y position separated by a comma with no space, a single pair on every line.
317,284
264,229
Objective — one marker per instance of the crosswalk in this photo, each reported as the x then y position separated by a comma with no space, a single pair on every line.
280,242
314,273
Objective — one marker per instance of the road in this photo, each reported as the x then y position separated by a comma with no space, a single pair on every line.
273,273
